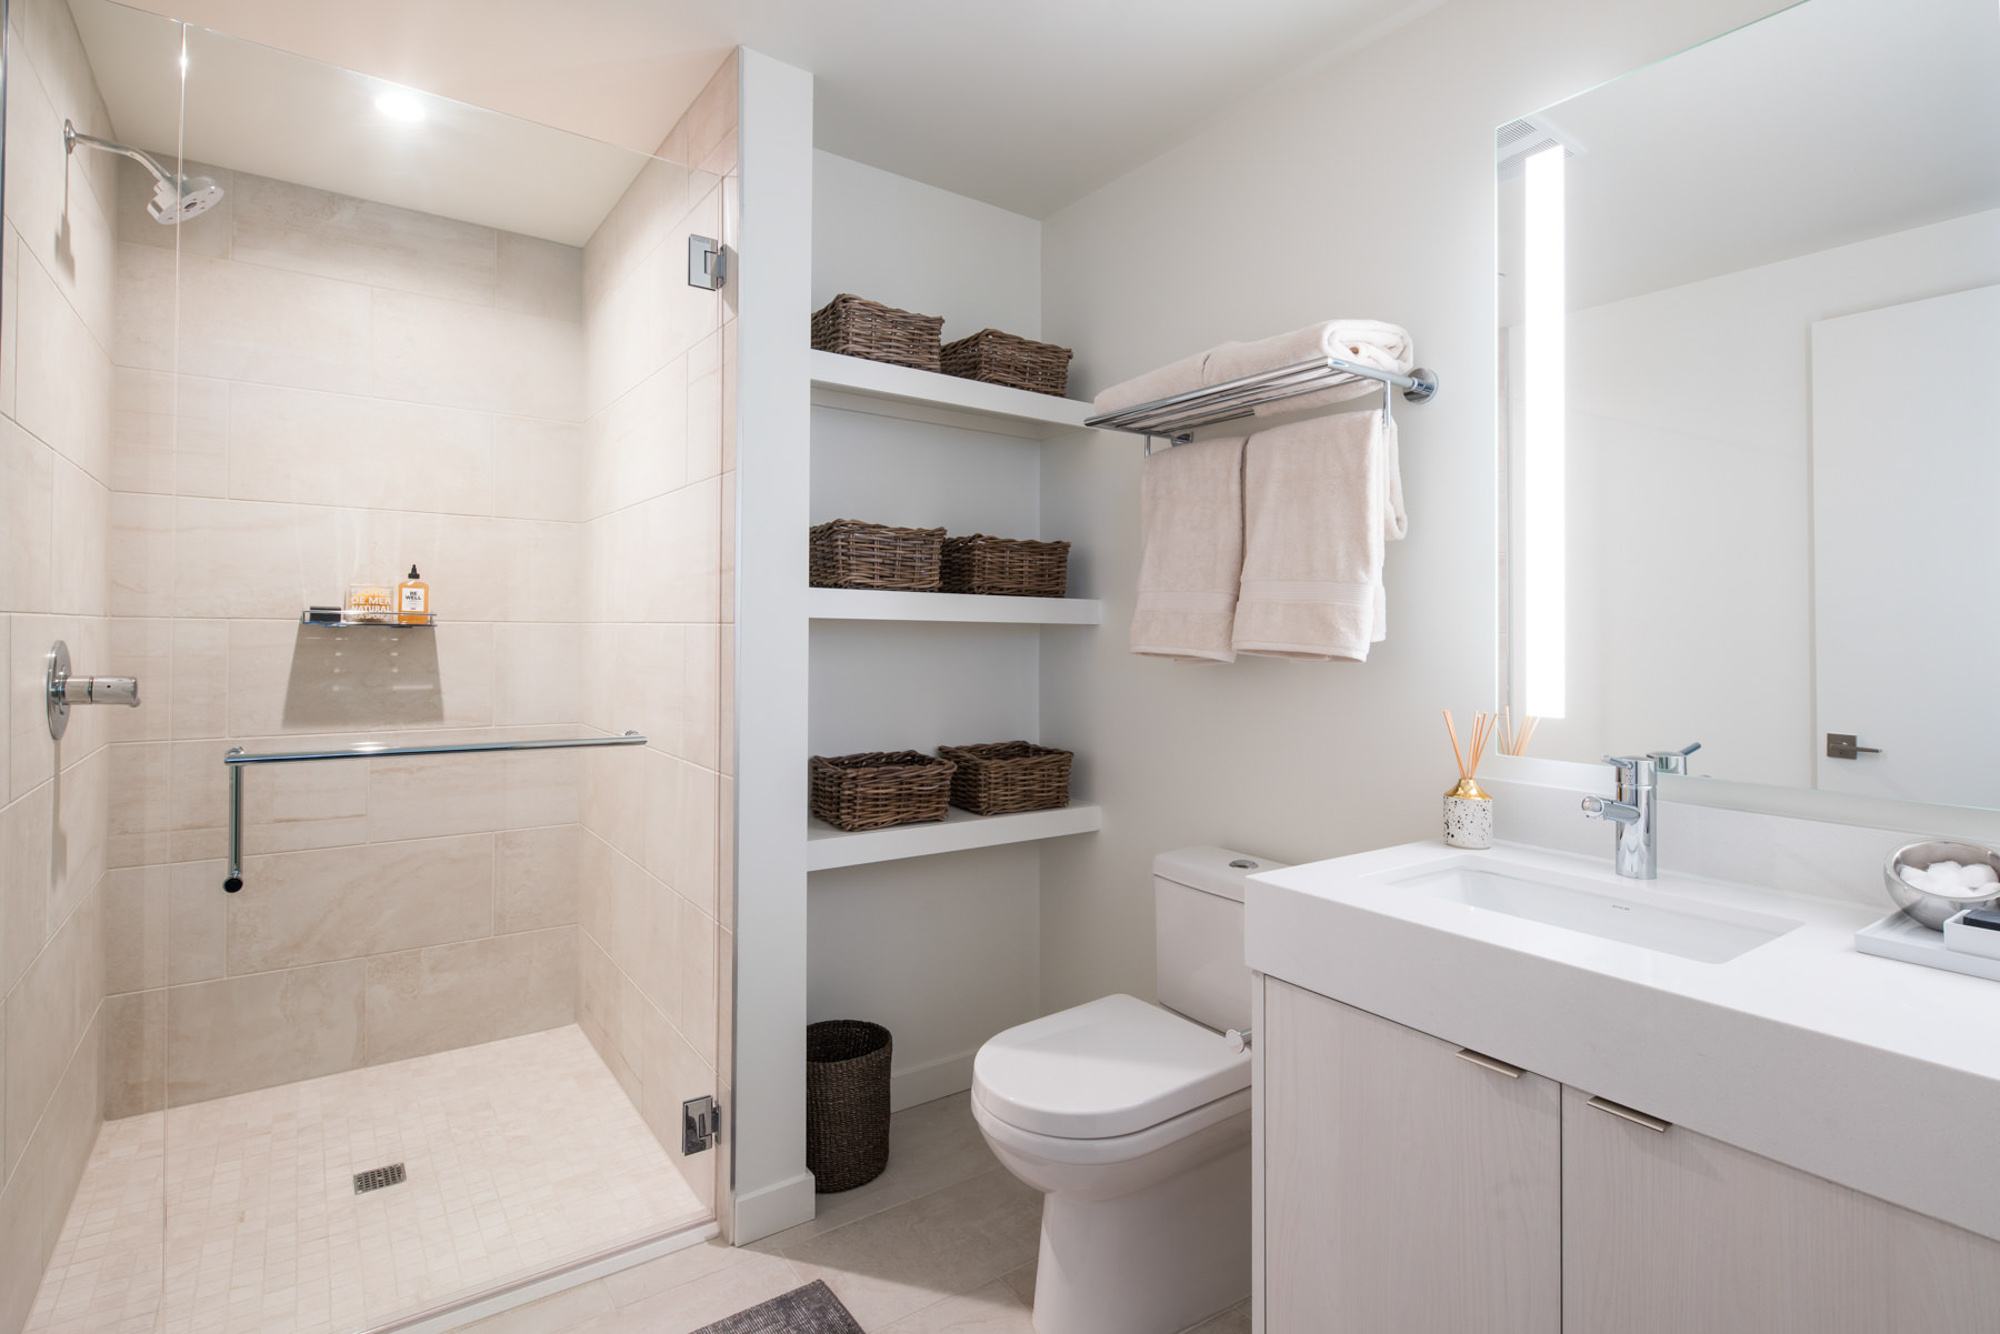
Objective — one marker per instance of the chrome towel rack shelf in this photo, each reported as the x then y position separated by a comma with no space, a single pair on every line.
238,758
1174,419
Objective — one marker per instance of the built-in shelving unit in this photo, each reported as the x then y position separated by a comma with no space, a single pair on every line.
903,390
862,604
828,848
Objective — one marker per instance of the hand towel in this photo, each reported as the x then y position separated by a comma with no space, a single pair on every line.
1366,342
1183,376
1319,504
1191,551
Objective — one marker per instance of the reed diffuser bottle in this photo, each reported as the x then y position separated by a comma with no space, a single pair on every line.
1468,810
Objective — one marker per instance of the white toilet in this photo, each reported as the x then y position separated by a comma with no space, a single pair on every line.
1134,1120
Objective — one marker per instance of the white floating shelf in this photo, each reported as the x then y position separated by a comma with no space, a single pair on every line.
876,386
827,847
867,604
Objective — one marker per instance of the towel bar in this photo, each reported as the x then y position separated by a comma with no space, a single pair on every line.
1173,419
369,750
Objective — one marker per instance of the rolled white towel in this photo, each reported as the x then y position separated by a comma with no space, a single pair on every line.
1366,342
1974,874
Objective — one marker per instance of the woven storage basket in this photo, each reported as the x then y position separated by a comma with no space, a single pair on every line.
857,327
849,554
1004,358
1008,776
847,1102
880,788
1006,565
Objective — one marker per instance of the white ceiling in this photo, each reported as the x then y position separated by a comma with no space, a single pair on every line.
256,109
1028,104
1828,123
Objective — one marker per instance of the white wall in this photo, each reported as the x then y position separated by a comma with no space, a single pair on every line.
916,247
943,951
1690,479
1364,189
770,1187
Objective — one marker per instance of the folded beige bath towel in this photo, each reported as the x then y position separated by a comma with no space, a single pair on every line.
1181,377
1319,502
1191,551
1365,342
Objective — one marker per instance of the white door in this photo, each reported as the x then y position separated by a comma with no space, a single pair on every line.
1906,539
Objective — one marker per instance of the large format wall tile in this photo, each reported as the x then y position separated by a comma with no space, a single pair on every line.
300,908
450,996
245,1033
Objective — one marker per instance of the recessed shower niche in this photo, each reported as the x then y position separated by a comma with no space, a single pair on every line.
273,329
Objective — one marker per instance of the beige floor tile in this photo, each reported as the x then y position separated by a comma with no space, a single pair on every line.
1022,1281
949,1242
993,1309
1236,1320
689,1306
551,1315
935,1145
521,1155
628,1286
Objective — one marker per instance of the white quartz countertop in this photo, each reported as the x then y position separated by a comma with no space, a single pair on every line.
1883,1076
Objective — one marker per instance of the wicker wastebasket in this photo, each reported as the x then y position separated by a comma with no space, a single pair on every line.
847,1103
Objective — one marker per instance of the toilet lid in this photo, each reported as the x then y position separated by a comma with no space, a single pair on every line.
1112,1067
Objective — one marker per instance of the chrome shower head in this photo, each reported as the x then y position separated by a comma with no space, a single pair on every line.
174,200
194,196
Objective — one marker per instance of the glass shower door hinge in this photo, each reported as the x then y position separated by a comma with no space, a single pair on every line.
701,1122
708,268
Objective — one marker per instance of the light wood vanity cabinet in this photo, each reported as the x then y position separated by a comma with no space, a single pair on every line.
1408,1189
1670,1232
1405,1189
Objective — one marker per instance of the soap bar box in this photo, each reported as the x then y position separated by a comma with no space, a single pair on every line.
1962,937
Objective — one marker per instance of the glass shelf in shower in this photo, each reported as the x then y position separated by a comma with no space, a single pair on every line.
381,620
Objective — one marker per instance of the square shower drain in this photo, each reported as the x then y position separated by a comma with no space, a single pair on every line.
377,1177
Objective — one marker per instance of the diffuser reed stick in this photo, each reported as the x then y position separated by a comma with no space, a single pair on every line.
1469,755
1514,742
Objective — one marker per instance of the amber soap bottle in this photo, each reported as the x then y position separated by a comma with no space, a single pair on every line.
413,600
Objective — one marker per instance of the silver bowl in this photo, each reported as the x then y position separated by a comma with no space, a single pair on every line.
1933,909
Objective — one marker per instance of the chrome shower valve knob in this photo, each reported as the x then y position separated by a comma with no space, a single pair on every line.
66,690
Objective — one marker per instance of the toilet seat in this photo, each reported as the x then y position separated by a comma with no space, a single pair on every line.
1113,1067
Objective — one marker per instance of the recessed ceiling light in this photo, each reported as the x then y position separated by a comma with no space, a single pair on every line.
400,104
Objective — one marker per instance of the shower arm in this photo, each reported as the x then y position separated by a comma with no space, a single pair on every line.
73,136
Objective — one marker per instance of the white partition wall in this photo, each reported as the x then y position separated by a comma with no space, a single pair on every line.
770,1187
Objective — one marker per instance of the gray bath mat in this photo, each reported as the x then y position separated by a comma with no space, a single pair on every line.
812,1309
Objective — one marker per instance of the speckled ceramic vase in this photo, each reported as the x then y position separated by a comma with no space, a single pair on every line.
1468,816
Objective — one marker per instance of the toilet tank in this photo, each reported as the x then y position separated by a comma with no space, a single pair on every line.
1198,933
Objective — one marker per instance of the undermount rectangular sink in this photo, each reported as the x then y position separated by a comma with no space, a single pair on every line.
1702,932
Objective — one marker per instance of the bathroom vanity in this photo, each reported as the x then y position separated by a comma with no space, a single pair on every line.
1510,1091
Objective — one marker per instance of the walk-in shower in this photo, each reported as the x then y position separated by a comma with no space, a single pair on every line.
433,1049
174,200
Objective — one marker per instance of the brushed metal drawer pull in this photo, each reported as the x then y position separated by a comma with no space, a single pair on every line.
1637,1118
1485,1062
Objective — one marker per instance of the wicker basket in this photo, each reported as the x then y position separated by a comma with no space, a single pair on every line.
1008,776
849,554
1009,566
1003,358
880,788
857,327
847,1102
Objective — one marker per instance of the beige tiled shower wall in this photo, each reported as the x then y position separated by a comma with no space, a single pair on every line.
343,390
56,332
659,507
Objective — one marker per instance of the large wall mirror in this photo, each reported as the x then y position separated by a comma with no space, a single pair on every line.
1750,417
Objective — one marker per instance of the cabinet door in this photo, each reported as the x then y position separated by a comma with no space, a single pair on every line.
1670,1232
1406,1189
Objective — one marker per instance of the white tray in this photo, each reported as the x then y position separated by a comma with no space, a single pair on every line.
1898,937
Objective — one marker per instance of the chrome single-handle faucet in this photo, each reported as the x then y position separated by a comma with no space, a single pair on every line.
1636,854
